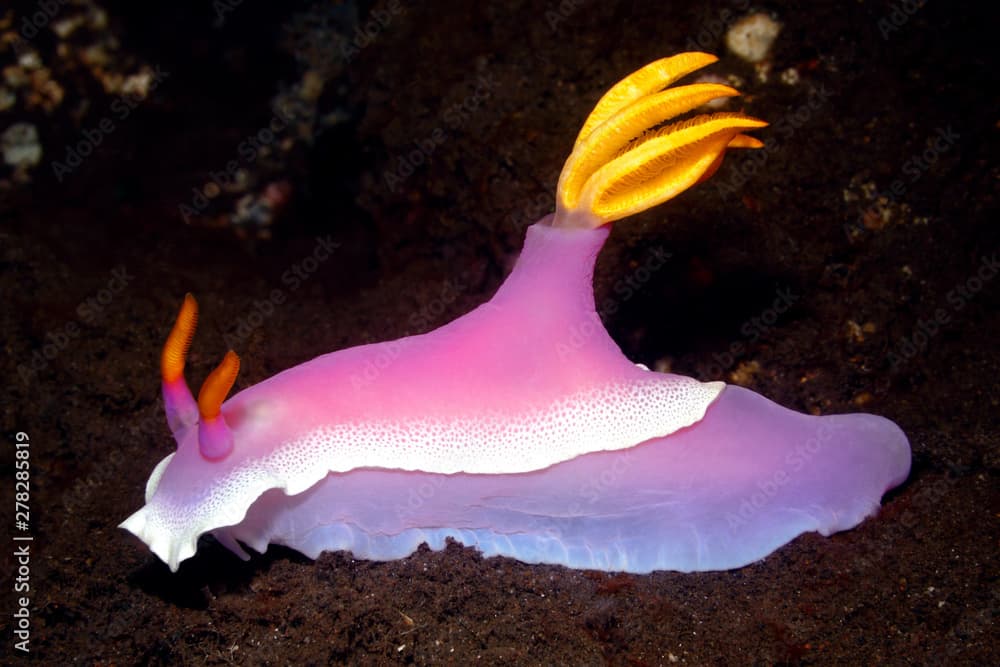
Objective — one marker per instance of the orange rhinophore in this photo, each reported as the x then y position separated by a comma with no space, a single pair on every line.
177,399
217,385
215,439
179,341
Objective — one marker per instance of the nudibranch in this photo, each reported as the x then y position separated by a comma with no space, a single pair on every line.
520,428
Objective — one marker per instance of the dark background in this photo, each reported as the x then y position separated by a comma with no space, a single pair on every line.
491,98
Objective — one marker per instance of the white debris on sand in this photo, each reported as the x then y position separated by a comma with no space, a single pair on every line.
752,36
20,146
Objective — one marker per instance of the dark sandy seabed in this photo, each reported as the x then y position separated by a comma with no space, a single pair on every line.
813,216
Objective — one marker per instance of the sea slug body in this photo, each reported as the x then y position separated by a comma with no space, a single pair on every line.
509,430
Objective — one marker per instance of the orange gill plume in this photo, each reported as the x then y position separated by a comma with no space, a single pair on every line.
625,162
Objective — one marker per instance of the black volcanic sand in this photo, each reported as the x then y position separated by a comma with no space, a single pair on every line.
813,216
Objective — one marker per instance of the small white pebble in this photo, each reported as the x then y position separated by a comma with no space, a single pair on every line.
138,84
20,145
7,98
752,36
65,27
29,60
763,71
790,77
